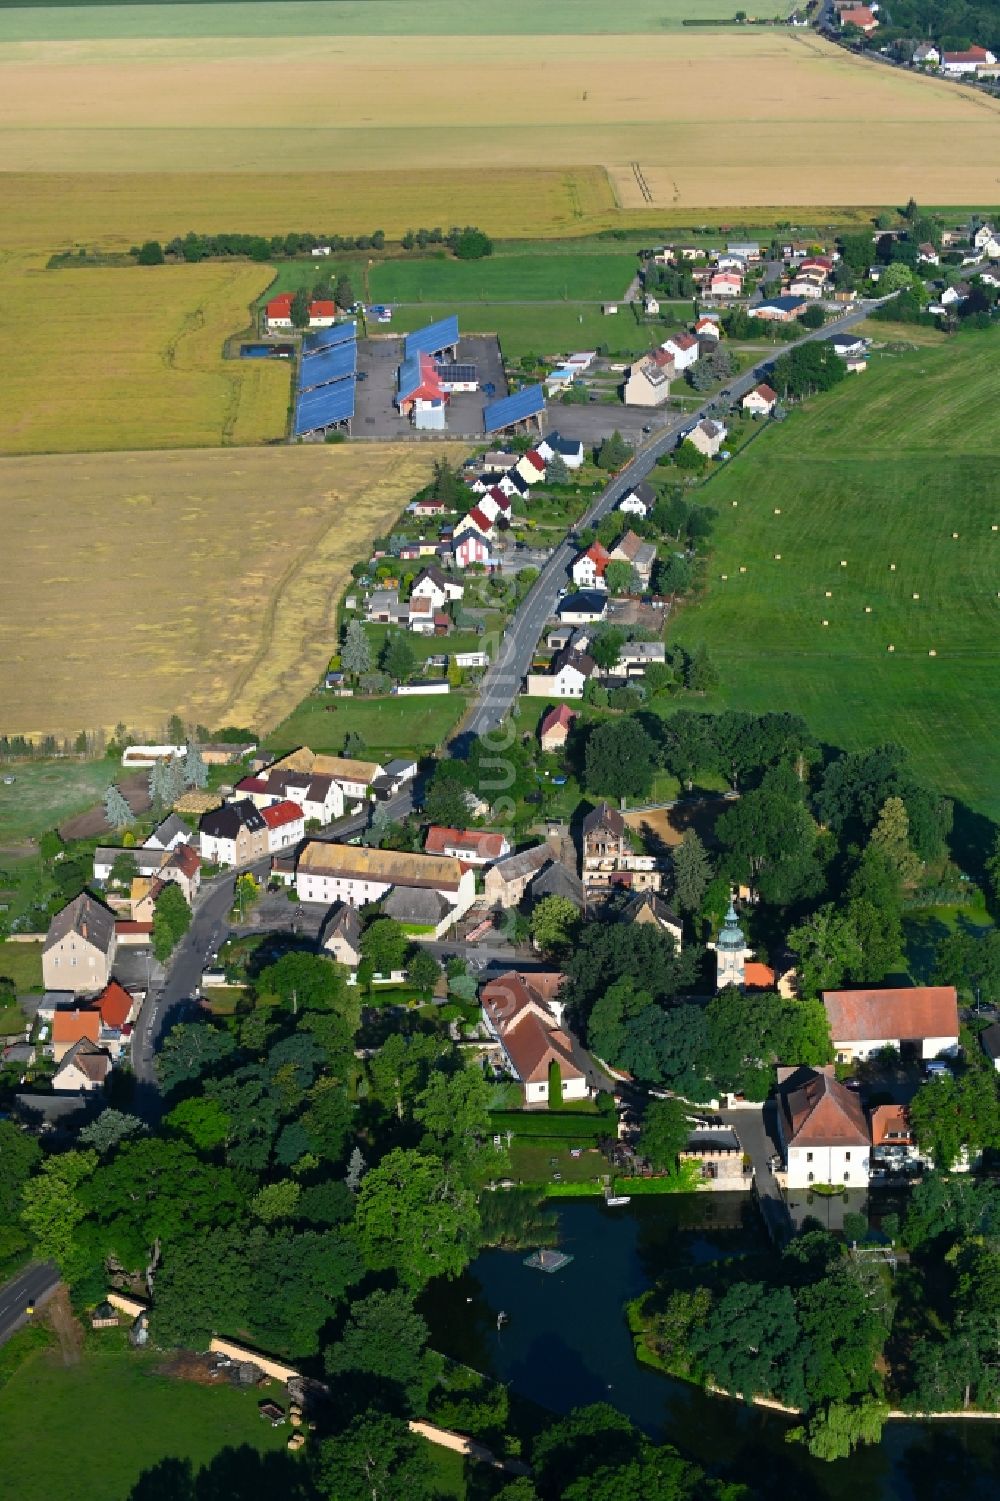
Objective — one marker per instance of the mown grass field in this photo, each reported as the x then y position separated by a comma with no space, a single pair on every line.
200,582
388,726
103,358
388,103
539,328
505,278
166,1418
22,963
881,471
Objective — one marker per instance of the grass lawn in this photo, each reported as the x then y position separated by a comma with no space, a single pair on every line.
532,1162
881,471
539,328
387,725
22,963
504,278
447,1472
925,927
46,1407
12,1021
45,793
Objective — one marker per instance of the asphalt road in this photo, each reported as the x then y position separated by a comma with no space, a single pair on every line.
502,682
36,1283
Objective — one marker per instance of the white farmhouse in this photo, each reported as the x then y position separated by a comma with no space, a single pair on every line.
921,1021
823,1131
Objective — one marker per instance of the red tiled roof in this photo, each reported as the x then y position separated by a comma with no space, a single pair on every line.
183,858
516,1006
478,518
322,309
765,391
890,1123
70,1026
535,459
859,16
280,306
891,1015
561,715
126,925
114,1004
822,1112
758,976
252,784
279,814
480,843
682,341
972,55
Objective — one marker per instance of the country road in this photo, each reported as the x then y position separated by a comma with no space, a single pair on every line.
502,682
35,1284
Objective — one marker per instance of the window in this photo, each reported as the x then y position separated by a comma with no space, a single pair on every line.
809,1177
809,1157
847,1177
847,1156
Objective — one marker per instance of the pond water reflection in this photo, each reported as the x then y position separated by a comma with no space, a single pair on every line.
566,1343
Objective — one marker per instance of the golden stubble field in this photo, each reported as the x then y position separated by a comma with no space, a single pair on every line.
136,585
132,358
727,117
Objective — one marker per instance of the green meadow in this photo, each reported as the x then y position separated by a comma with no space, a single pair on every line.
505,278
871,482
360,18
544,328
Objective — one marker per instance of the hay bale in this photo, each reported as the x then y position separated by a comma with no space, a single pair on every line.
932,653
777,510
868,609
724,577
829,594
954,536
916,596
743,569
825,622
777,557
892,568
890,648
843,562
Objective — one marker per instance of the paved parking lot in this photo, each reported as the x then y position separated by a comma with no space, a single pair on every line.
378,361
596,421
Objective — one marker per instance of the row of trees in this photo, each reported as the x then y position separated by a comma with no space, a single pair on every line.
194,247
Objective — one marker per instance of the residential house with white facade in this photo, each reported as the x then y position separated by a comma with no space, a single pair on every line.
921,1021
523,1015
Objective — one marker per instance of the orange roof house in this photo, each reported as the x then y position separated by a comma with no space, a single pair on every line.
555,727
523,1016
69,1026
114,1005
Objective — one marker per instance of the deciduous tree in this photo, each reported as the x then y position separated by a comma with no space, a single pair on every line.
414,1216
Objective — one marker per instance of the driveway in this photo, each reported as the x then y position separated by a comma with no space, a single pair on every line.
757,1132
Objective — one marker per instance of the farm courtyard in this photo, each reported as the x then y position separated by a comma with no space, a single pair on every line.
881,499
220,570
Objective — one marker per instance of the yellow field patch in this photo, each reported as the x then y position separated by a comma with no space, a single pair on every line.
726,117
199,582
132,358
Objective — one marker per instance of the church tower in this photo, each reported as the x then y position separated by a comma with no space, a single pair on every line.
731,952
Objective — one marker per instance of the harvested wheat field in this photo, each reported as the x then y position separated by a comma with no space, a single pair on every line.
197,582
284,103
132,358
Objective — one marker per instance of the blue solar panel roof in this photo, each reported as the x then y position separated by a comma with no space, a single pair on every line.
434,337
330,364
527,403
325,338
324,406
409,376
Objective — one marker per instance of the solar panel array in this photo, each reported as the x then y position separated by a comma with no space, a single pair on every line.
337,363
432,339
324,406
410,376
517,408
326,338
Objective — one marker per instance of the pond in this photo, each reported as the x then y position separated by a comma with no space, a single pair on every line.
566,1343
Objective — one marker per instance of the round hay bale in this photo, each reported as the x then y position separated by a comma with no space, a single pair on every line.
916,596
932,653
890,648
995,528
843,562
825,622
892,568
829,594
735,502
954,536
724,576
868,609
777,557
777,510
743,569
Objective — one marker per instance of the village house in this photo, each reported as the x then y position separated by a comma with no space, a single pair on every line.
556,878
778,309
894,1148
332,873
353,777
80,946
639,501
808,286
726,284
234,834
506,882
682,349
340,935
182,867
278,313
639,554
145,861
747,250
822,1130
608,857
920,1022
926,55
584,607
715,1150
927,255
169,833
647,383
861,17
430,507
847,346
650,306
707,436
959,64
985,237
524,1017
636,656
588,568
386,608
553,732
84,1067
648,909
320,797
471,847
470,547
286,825
431,583
761,401
708,328
569,674
70,1025
570,450
531,467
